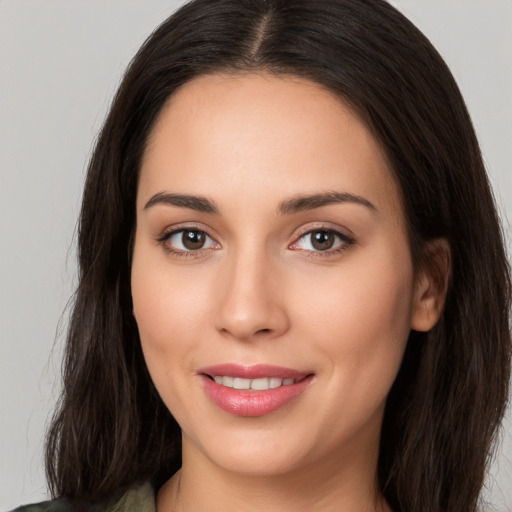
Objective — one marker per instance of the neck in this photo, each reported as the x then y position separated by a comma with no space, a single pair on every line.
328,486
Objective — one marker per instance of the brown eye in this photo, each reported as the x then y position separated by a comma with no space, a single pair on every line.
193,240
322,240
186,240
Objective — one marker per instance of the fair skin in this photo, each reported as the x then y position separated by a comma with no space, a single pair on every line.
324,287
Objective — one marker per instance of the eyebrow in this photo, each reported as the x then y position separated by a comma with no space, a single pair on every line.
309,202
198,203
295,204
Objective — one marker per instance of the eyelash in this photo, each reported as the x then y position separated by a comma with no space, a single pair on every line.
179,253
344,242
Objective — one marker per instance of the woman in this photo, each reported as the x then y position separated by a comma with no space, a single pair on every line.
293,289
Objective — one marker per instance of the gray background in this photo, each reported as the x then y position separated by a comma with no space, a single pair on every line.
60,62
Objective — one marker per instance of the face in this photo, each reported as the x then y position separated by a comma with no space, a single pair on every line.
272,279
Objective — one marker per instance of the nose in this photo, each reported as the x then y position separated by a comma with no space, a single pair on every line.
251,299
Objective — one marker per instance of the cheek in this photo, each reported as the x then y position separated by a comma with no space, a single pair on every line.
359,318
163,314
168,302
168,310
167,317
359,329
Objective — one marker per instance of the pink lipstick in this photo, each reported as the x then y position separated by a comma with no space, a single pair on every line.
253,390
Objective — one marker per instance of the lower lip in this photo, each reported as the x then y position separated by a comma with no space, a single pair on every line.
253,403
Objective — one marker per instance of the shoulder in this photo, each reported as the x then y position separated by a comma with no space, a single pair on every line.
138,498
47,506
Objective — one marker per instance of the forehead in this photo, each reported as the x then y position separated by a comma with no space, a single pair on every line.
238,136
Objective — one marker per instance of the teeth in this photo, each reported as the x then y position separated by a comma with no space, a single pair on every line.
241,383
260,384
275,382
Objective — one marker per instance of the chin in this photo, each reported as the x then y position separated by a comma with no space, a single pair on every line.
252,453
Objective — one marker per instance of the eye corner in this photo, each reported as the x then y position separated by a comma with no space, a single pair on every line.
327,242
196,244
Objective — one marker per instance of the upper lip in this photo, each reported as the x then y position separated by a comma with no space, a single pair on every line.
255,371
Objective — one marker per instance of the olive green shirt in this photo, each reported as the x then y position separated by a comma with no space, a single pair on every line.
139,498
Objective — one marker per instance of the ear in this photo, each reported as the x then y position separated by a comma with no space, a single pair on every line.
431,285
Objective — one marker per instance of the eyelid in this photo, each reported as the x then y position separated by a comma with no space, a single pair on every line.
208,241
324,226
345,240
183,226
170,231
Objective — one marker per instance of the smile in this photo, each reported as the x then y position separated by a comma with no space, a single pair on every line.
252,391
260,384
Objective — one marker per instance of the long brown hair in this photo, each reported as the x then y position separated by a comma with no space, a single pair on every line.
112,429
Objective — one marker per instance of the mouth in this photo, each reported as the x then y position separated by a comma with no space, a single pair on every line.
253,390
260,384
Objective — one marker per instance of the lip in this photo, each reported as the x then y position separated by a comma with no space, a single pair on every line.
255,371
253,403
